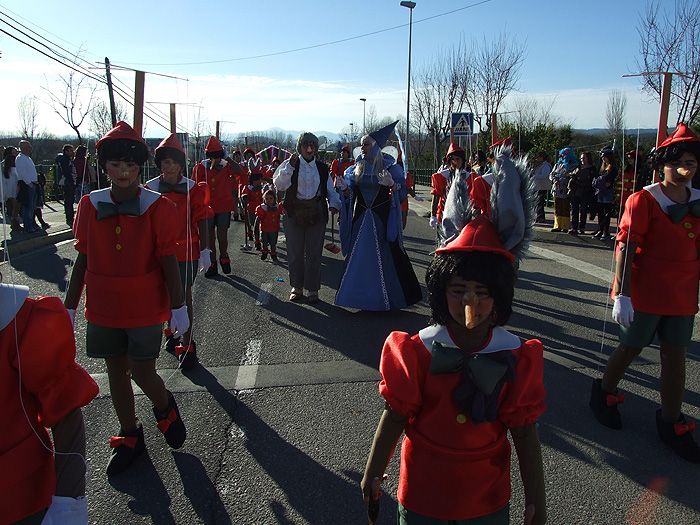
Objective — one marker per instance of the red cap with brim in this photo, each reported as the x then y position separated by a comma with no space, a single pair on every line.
503,142
171,141
454,149
479,235
121,131
681,134
213,145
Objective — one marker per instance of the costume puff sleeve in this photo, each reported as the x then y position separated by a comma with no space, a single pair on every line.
403,369
523,403
634,223
165,215
48,366
81,224
437,184
201,199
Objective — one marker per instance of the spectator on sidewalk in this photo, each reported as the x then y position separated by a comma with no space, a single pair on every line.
40,199
560,176
85,179
9,187
27,178
581,193
604,186
541,183
67,175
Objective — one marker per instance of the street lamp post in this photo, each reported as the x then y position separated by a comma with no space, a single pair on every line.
364,115
410,6
352,133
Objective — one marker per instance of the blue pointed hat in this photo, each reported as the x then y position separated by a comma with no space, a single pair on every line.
382,135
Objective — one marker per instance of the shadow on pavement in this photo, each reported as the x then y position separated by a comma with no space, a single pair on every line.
45,265
200,490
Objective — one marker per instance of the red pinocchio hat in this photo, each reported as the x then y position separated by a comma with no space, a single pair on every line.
122,142
682,134
170,147
171,141
479,235
213,145
122,131
455,150
503,142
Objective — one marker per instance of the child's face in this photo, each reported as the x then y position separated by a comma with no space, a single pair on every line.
270,200
468,302
171,170
679,172
123,174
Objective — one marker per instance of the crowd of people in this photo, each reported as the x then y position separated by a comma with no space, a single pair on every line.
455,389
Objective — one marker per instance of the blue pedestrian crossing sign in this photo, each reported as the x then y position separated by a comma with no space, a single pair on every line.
462,124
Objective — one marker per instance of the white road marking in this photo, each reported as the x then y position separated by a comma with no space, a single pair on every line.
248,371
576,264
264,294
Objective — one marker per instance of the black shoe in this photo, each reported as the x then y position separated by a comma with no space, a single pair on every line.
225,265
126,447
604,406
597,235
187,355
258,246
170,424
273,256
678,437
263,256
211,271
171,343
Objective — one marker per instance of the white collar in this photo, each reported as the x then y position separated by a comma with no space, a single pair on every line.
501,339
12,298
663,200
488,178
146,198
311,162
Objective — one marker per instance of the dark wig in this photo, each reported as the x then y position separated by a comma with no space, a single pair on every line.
673,152
122,149
494,271
169,153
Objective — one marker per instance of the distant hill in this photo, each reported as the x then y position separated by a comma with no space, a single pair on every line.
601,131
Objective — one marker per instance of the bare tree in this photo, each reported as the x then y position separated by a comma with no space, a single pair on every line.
101,117
28,111
490,72
670,41
615,113
74,97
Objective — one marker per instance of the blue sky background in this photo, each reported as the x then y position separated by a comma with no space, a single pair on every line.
576,52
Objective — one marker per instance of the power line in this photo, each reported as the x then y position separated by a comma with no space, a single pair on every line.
305,48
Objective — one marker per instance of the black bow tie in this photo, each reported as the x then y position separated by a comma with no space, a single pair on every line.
106,210
676,212
166,187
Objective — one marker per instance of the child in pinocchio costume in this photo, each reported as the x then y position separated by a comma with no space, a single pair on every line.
656,289
252,197
126,247
221,180
456,387
267,220
192,204
35,485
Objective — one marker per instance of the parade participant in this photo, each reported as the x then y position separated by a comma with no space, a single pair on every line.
542,184
221,181
410,190
41,387
479,164
309,197
240,173
269,171
458,386
378,274
604,186
338,166
581,193
10,206
656,289
252,197
252,161
67,175
192,204
441,181
267,221
560,177
126,260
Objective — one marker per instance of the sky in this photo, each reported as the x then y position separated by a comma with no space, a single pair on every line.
576,53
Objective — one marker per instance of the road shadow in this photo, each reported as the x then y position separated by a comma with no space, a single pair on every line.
200,490
45,265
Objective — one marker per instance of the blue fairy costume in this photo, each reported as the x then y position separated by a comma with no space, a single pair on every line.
378,275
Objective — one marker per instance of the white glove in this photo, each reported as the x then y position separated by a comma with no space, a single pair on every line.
385,179
66,510
179,321
433,221
204,259
71,314
340,183
623,312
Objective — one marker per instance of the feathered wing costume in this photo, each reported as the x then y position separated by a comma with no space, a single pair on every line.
513,200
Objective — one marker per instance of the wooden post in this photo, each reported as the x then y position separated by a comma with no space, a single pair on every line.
173,123
663,110
138,101
110,91
218,127
494,128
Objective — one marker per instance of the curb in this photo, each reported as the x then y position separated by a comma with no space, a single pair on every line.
20,247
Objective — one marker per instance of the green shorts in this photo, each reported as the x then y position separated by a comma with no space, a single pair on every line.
220,220
407,517
140,344
672,329
188,271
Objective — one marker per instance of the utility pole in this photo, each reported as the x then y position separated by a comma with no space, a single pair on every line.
110,90
139,87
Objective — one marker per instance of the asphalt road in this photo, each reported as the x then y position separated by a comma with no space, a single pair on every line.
281,417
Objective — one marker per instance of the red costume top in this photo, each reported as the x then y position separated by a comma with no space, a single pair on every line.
269,217
451,467
338,167
221,181
255,197
197,195
439,185
243,177
666,268
409,184
480,191
52,385
124,279
625,185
